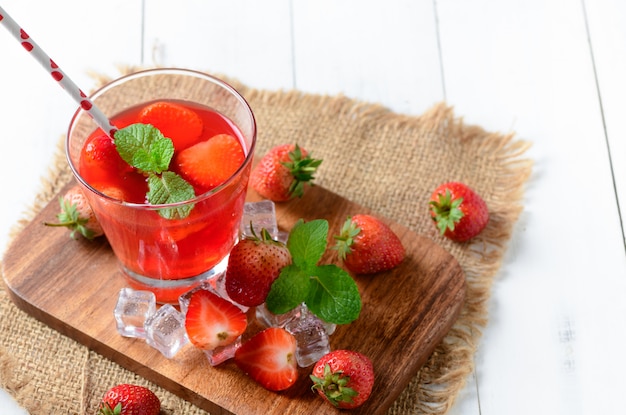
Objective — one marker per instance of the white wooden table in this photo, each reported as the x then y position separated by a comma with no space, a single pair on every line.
552,71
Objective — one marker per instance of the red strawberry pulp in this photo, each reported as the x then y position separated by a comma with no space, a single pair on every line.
168,249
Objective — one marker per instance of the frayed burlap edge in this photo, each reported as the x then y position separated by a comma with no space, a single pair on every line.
436,387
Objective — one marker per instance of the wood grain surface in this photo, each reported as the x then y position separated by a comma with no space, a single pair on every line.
72,286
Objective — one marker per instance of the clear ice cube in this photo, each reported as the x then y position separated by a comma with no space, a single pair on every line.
262,215
311,338
281,236
221,354
165,331
216,286
131,311
269,319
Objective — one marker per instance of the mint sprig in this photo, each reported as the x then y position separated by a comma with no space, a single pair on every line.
144,147
328,291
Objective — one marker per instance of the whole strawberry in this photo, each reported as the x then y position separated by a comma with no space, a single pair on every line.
458,211
367,246
253,265
282,173
344,378
77,215
127,399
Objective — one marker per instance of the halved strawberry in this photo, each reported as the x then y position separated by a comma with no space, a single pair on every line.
176,122
211,321
269,358
210,163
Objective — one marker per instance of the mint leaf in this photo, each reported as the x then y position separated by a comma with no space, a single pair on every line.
289,290
167,188
328,291
144,147
307,242
334,296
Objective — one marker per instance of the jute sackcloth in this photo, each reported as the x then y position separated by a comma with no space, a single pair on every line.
385,161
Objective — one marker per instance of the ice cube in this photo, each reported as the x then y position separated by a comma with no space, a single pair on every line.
183,300
165,331
269,319
219,288
216,286
262,215
311,338
131,311
281,236
221,354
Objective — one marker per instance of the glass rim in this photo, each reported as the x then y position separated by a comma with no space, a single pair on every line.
174,71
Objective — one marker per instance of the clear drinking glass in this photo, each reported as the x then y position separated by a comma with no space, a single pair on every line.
168,256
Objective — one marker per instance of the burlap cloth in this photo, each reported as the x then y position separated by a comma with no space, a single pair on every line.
385,161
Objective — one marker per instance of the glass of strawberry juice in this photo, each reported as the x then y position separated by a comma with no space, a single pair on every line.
157,252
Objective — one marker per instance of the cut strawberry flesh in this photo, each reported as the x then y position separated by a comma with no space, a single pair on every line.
212,321
182,125
269,358
211,162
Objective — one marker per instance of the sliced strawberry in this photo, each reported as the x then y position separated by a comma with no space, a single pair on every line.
210,163
212,321
176,122
269,358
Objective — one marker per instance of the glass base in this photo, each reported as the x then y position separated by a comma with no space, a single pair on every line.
168,291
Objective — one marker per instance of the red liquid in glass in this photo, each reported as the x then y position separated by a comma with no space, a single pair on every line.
167,249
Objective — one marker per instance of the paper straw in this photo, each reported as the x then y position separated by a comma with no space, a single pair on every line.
57,73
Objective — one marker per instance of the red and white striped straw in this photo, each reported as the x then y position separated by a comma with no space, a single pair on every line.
57,73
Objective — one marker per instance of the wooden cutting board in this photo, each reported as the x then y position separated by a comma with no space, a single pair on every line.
72,286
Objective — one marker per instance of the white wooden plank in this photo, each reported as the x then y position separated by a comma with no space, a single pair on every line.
245,39
36,111
607,29
373,51
524,66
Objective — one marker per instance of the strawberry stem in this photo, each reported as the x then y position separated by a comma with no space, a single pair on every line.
334,386
447,212
345,239
302,169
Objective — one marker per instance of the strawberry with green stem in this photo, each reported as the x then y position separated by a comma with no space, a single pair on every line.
283,172
76,214
344,378
253,265
366,245
128,399
458,211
